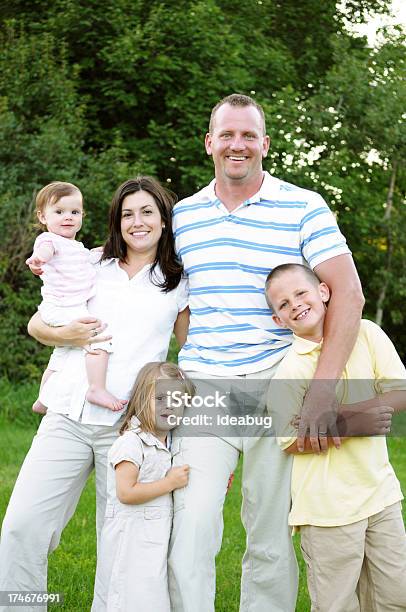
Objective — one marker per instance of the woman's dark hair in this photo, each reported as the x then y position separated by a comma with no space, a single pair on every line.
165,256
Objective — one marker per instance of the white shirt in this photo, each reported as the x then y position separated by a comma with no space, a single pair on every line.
140,318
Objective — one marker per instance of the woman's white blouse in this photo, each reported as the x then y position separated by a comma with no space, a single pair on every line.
140,318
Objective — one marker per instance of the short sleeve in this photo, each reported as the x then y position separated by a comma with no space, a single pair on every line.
320,236
390,373
127,447
45,238
95,256
182,297
284,403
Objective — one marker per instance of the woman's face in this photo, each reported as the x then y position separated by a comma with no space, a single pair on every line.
141,224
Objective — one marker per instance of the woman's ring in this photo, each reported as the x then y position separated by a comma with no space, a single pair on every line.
94,332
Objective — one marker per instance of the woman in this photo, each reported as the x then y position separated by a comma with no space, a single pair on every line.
142,297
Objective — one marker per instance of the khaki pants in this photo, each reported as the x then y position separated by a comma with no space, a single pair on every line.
269,569
45,495
357,567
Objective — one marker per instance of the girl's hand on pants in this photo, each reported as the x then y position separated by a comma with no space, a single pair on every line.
178,476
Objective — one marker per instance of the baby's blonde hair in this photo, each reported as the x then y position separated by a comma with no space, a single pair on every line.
143,390
50,194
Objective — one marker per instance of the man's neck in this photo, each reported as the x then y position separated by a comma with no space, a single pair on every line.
232,193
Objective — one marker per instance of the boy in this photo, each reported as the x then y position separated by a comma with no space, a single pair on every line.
346,502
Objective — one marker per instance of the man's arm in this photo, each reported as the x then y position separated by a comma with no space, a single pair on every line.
77,333
341,327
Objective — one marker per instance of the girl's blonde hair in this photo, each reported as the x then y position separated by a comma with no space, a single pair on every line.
142,393
50,194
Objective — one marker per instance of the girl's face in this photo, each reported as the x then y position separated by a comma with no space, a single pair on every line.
64,218
141,224
168,404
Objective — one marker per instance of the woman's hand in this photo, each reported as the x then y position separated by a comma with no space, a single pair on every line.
80,332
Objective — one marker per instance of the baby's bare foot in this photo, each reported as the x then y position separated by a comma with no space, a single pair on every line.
102,397
39,407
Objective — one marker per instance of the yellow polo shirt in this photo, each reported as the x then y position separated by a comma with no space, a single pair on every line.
346,485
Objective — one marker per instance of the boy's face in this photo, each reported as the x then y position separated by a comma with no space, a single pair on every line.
299,304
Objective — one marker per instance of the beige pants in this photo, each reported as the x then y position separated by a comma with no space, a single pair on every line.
45,495
269,569
357,567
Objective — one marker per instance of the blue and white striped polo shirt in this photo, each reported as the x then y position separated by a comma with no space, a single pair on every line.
227,257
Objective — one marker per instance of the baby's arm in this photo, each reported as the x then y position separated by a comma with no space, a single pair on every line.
41,255
130,491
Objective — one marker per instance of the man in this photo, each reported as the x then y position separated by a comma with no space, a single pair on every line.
229,235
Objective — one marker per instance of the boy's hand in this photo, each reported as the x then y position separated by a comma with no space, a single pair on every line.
178,476
375,421
319,416
35,263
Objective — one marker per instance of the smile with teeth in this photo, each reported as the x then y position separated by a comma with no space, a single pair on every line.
237,157
139,234
303,314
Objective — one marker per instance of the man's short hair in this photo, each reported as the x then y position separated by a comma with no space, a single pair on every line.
237,100
280,270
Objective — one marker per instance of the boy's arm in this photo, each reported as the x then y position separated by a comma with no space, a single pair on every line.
371,417
341,327
130,491
41,255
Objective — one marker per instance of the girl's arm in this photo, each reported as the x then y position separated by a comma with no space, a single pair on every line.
77,333
40,256
181,326
129,491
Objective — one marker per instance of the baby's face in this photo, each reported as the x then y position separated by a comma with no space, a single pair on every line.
299,304
65,216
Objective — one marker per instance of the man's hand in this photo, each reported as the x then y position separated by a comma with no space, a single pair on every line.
319,416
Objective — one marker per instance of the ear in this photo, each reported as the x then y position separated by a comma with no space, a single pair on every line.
324,292
265,145
41,217
278,321
207,143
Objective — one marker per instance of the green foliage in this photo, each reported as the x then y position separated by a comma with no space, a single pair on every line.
97,92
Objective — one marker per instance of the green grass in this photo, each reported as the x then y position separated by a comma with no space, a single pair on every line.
72,565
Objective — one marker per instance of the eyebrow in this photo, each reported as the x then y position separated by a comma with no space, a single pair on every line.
132,210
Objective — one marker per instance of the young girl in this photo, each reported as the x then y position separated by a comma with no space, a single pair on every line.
68,283
132,561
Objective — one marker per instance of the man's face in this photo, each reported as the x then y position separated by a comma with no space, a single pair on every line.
237,143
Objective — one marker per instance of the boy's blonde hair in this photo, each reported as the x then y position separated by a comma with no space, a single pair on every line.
143,390
50,194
